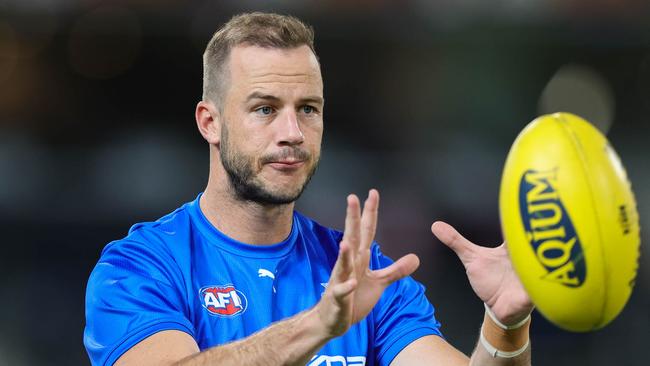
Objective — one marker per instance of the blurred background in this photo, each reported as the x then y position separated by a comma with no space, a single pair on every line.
424,99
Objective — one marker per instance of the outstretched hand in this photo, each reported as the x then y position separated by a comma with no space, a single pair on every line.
490,274
354,289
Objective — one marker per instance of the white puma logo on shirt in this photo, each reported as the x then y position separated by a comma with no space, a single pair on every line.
265,273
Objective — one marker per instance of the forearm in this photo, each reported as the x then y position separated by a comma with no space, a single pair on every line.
292,341
508,341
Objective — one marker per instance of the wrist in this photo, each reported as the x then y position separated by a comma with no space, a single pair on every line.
504,340
314,325
513,325
494,352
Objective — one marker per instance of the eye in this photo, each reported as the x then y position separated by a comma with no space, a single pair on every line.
264,110
307,109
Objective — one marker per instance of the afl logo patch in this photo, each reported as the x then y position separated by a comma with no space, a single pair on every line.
223,300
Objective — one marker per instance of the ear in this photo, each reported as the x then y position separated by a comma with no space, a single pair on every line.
208,121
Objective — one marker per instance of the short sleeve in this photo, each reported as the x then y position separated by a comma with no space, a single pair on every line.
402,315
130,296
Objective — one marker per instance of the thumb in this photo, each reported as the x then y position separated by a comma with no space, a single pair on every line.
451,238
403,267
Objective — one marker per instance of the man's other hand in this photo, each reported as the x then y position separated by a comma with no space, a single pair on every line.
354,289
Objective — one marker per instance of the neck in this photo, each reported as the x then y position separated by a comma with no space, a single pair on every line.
244,221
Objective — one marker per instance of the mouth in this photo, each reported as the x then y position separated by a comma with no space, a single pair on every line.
286,165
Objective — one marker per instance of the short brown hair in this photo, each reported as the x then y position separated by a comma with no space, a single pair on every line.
257,29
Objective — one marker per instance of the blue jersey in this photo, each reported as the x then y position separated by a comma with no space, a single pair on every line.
181,273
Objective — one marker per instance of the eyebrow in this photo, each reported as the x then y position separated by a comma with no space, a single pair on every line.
259,95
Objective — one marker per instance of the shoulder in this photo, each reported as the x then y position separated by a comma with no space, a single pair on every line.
162,232
149,247
138,288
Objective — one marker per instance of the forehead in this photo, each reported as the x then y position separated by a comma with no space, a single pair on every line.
253,66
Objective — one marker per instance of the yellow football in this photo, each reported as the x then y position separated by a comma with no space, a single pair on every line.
570,222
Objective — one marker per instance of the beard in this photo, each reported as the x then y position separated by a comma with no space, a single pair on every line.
245,182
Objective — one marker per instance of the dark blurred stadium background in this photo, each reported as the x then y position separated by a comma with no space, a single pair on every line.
423,97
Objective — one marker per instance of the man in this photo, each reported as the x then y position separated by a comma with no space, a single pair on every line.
236,277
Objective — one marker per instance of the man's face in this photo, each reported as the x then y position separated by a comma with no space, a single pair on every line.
272,122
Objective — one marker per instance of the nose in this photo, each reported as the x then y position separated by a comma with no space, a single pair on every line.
289,129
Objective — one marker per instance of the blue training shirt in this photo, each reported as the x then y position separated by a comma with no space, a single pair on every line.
181,273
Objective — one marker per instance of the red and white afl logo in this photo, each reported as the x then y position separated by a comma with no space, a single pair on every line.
223,300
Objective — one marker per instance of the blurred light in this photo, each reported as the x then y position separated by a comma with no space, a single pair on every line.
8,51
105,42
582,91
23,40
18,90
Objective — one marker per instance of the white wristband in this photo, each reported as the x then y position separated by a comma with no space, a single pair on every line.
501,325
498,353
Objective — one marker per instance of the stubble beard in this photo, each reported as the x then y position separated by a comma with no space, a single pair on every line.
245,183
